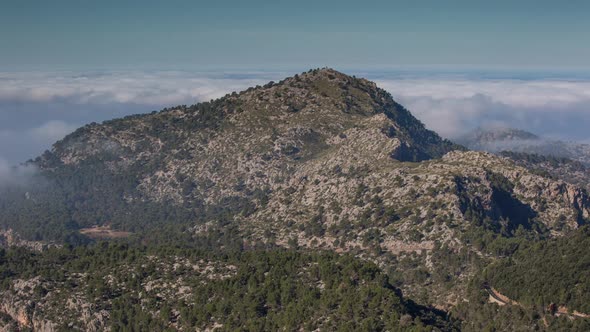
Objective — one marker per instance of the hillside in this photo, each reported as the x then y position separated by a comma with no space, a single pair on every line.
192,162
320,161
116,287
566,169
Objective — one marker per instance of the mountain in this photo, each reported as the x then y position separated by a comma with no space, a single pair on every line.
318,162
487,137
228,155
497,139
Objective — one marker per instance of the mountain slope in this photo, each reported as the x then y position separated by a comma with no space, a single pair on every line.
254,291
186,163
320,160
566,169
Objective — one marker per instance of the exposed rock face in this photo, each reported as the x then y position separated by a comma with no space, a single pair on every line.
569,170
45,306
411,202
9,238
22,309
576,197
227,154
320,148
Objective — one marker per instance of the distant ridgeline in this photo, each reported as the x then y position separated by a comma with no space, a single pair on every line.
502,139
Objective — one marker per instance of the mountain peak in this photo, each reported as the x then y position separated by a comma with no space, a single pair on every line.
214,155
495,138
321,80
324,102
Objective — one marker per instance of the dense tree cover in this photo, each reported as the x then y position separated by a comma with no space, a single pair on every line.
526,267
555,271
55,204
268,290
478,314
37,210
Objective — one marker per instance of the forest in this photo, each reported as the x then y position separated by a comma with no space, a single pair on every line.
247,291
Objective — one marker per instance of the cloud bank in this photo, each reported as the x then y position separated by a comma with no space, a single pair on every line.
39,108
551,108
143,88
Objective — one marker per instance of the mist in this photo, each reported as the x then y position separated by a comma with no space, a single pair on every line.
17,176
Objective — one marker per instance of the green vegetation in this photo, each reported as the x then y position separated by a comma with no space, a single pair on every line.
480,315
250,291
555,271
537,159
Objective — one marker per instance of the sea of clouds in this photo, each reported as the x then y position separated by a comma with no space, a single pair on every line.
39,108
554,108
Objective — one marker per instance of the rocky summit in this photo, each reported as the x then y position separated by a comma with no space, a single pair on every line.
320,161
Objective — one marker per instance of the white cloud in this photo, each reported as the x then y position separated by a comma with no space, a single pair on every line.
157,88
454,106
524,93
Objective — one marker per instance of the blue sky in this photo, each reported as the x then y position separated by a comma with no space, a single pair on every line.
455,64
293,34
